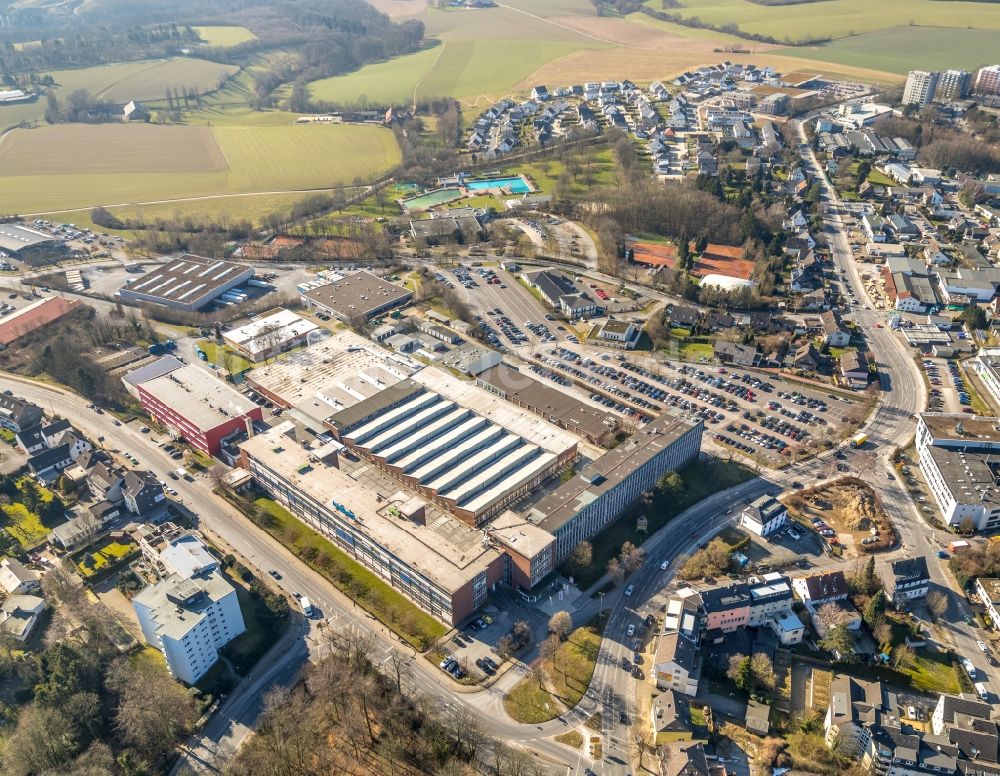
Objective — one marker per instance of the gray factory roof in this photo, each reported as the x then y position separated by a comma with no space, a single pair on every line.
550,402
360,293
14,237
971,477
186,280
559,507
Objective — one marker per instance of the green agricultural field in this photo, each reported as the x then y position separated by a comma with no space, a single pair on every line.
122,82
258,159
224,36
900,49
838,18
392,81
472,68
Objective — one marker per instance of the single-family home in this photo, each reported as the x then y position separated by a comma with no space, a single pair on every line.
17,414
19,614
670,716
764,516
143,495
733,353
906,580
15,579
821,588
835,335
855,370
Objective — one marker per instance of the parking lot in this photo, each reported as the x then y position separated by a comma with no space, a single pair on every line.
752,415
948,391
508,314
472,650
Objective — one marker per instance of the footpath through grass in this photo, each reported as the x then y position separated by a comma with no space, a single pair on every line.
568,674
701,479
364,587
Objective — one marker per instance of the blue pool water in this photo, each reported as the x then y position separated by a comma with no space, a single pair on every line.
515,185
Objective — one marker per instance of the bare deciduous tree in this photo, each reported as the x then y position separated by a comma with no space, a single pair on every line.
561,624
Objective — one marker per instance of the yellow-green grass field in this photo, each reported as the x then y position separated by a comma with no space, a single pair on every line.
224,36
901,49
98,165
837,18
123,82
500,23
456,68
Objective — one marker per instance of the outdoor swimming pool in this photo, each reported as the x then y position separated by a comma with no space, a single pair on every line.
513,185
431,198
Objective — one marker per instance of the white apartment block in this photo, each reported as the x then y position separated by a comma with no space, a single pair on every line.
189,621
920,87
987,366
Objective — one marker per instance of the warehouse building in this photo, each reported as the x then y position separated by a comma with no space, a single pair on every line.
196,406
22,242
185,283
33,317
592,423
331,375
359,296
458,446
603,490
270,335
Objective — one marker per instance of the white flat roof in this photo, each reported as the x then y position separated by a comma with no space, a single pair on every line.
198,396
266,333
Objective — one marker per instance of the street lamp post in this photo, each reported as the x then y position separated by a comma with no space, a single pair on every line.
601,594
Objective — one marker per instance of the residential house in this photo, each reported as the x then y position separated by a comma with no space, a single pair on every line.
47,464
835,335
733,353
17,414
874,227
685,317
19,614
30,440
770,597
854,714
952,710
764,516
677,664
670,716
577,305
619,334
855,370
806,357
727,608
143,495
821,588
787,627
105,481
15,579
906,580
988,589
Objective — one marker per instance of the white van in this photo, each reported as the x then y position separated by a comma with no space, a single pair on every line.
307,608
981,690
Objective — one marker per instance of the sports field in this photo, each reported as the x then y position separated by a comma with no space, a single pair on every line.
837,18
57,167
900,49
224,36
147,80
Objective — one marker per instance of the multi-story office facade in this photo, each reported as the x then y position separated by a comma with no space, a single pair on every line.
599,494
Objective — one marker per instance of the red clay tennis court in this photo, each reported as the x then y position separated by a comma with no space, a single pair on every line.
725,260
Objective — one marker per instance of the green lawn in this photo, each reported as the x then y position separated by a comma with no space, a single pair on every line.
25,526
455,68
701,479
877,178
900,49
224,36
933,672
839,18
367,589
569,673
109,554
263,629
216,355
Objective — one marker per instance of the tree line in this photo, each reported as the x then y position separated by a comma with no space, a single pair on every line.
88,710
347,717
